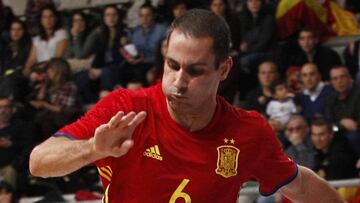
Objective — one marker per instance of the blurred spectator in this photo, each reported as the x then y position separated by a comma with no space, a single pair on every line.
222,8
178,8
301,149
352,59
145,37
293,80
8,16
258,98
102,76
16,139
6,193
16,49
79,45
33,14
281,106
56,100
334,159
343,106
82,45
258,33
312,52
156,73
51,41
312,99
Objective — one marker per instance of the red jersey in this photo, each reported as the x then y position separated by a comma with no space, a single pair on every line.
170,164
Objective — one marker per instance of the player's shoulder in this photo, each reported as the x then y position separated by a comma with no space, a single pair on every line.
242,115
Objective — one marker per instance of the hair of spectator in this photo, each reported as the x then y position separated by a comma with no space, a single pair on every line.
199,23
296,117
275,84
269,62
42,31
105,31
307,29
62,70
148,5
321,121
262,11
227,7
340,67
26,35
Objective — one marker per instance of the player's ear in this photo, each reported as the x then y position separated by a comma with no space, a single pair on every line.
225,68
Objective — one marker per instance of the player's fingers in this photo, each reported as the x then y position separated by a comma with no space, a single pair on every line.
123,148
101,128
137,119
115,120
126,119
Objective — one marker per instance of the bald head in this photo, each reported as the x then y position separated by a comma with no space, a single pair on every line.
310,76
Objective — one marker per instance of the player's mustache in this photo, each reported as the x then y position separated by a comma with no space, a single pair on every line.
176,91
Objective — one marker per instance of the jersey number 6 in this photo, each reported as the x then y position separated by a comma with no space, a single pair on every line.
179,194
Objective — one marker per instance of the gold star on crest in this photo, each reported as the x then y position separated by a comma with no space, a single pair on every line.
226,140
232,141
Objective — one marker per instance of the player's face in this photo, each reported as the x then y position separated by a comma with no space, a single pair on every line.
190,79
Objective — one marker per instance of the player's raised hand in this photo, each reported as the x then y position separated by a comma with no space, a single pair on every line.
114,137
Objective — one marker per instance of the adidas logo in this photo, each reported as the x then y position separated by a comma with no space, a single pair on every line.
153,152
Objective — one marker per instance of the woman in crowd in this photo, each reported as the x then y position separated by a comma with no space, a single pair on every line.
56,100
102,76
17,48
51,41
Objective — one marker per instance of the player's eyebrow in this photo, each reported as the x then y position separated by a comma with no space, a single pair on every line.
188,65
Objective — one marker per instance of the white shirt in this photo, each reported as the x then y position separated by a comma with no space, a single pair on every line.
281,110
45,50
315,94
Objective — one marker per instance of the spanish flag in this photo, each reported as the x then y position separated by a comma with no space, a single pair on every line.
326,18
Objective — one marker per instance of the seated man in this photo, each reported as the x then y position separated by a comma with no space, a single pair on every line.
258,98
343,106
315,92
301,149
334,158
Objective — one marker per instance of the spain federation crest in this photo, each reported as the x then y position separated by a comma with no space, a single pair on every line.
227,160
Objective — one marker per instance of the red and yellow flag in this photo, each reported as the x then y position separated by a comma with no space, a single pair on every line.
326,18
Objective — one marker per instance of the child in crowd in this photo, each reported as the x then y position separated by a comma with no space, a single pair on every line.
280,108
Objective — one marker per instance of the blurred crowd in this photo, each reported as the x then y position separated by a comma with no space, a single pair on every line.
54,65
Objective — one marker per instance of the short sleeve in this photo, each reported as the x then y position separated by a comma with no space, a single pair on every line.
274,168
101,113
61,34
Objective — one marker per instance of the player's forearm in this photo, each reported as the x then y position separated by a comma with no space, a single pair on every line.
51,159
308,187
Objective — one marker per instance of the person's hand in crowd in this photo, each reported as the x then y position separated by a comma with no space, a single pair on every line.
244,47
138,60
5,142
234,53
276,125
321,173
349,124
38,104
94,73
262,100
114,138
358,164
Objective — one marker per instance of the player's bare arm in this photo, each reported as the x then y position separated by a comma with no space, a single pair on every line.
58,156
310,188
